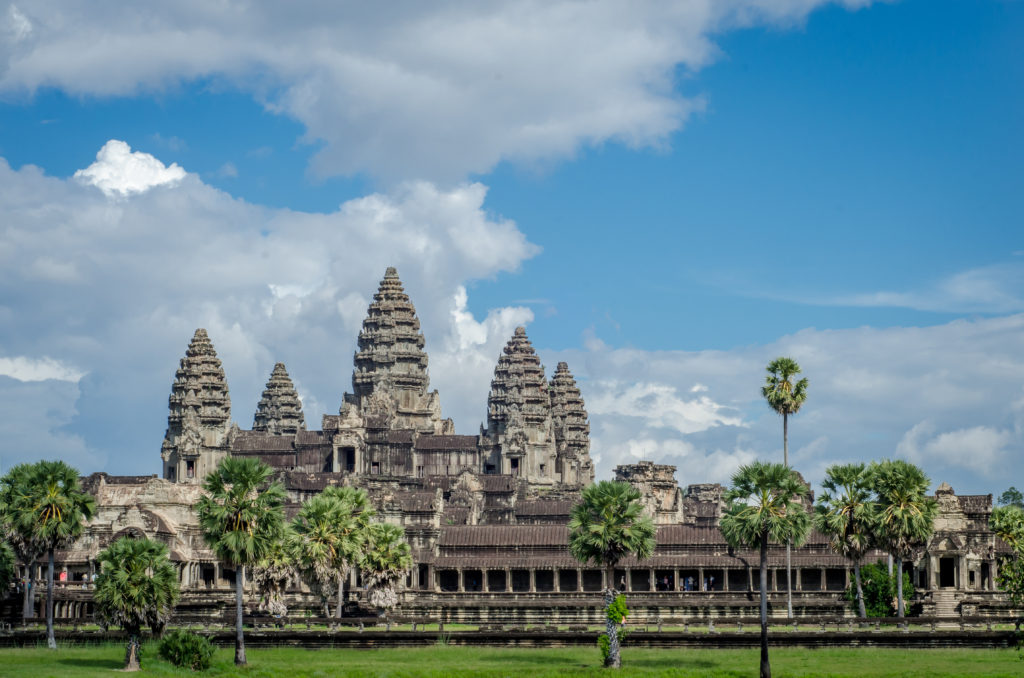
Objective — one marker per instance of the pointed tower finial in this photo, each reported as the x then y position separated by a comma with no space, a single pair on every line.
279,410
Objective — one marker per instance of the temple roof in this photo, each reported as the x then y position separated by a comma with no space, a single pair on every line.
390,343
519,391
200,391
568,415
279,411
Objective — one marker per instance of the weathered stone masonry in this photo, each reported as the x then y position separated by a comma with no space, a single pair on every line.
486,514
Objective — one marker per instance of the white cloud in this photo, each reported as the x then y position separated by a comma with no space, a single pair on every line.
430,90
116,288
120,172
38,369
660,406
978,448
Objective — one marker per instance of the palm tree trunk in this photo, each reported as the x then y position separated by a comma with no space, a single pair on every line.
613,661
766,668
239,638
28,604
860,591
899,588
341,596
50,641
789,542
131,653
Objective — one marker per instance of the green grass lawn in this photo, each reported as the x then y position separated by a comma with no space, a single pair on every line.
459,661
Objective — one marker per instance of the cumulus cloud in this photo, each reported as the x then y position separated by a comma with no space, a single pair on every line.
115,289
120,172
870,391
414,90
23,368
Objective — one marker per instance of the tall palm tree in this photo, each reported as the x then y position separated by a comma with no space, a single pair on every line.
137,585
20,535
356,503
906,516
330,533
274,570
764,507
50,509
846,513
786,398
241,516
388,558
607,525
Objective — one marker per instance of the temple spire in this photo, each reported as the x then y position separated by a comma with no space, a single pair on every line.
199,412
571,428
279,410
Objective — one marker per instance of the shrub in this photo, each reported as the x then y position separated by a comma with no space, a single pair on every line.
617,612
187,650
879,590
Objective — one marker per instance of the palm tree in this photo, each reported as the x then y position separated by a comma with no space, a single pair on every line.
607,525
7,566
22,538
388,558
137,585
764,507
330,533
1008,524
846,513
906,516
786,398
274,570
50,509
241,517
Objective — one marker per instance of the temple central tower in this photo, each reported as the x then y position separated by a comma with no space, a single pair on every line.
390,376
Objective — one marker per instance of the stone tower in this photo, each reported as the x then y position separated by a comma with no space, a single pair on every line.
571,429
279,411
199,414
519,414
390,376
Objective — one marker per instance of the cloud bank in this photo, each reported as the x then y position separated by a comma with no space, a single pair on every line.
409,89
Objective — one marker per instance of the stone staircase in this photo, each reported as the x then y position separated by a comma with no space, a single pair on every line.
946,604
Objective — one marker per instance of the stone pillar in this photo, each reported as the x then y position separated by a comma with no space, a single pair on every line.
677,583
485,585
462,580
847,577
629,579
961,564
992,572
700,578
557,577
579,580
651,582
798,582
823,579
725,579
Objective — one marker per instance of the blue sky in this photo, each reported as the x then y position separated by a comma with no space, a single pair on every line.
667,199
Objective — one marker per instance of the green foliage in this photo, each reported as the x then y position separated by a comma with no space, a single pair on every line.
764,502
46,506
1012,497
137,585
187,650
605,646
387,559
274,570
14,487
618,611
7,570
779,391
1008,524
906,516
240,519
608,523
331,533
879,590
846,511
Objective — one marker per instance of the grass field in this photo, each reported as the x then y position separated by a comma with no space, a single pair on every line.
435,662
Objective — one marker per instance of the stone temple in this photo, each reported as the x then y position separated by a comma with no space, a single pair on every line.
485,514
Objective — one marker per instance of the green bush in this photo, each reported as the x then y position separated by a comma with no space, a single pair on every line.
187,650
617,612
879,590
